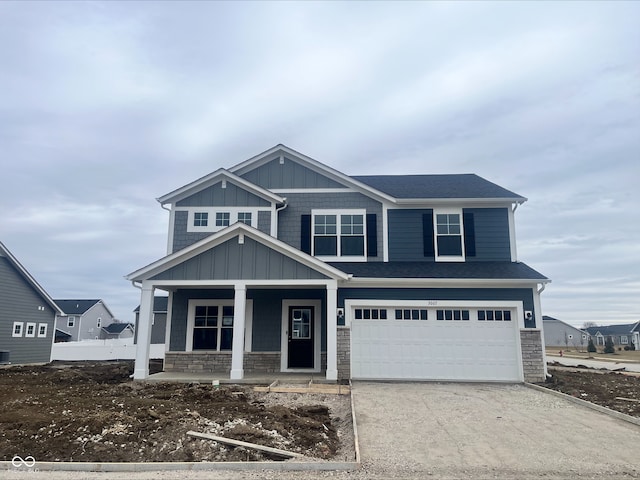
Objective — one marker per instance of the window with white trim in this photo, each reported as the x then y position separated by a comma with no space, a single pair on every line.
212,327
99,322
17,329
42,330
71,322
200,219
244,217
30,331
223,219
339,234
624,340
448,234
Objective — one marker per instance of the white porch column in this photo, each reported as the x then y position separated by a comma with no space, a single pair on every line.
141,369
332,331
237,348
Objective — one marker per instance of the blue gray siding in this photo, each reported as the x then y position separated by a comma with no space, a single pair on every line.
406,235
264,222
232,261
231,196
525,295
20,302
267,316
288,175
492,234
302,203
492,240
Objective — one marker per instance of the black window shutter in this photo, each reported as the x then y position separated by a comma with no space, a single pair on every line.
427,235
469,234
372,235
305,233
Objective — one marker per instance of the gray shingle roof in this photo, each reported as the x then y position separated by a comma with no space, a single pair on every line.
75,307
437,186
159,304
441,270
116,327
612,329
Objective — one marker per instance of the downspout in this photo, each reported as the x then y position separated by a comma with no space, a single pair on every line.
278,210
544,351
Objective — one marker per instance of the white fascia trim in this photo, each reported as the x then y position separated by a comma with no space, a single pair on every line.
438,282
422,202
313,190
226,234
212,179
233,283
14,261
312,164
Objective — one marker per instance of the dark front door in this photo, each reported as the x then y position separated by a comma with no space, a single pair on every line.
301,337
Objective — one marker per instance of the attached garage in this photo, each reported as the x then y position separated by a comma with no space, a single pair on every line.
431,340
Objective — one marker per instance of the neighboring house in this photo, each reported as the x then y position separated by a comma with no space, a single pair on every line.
158,321
82,319
560,334
117,330
283,264
622,335
27,314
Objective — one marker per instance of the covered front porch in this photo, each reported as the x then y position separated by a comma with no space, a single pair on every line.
241,302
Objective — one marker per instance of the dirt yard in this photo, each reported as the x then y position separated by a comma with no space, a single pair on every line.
600,387
95,413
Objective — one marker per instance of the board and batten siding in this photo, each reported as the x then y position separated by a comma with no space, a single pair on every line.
230,196
491,228
289,174
289,223
234,261
20,302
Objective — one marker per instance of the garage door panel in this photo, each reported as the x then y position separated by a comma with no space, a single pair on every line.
435,349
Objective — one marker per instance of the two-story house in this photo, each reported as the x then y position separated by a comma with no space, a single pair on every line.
27,314
82,319
283,264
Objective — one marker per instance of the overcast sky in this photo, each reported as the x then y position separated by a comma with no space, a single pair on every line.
105,106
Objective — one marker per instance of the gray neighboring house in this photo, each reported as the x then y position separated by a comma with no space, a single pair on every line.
623,335
284,264
27,314
82,319
560,334
117,330
158,322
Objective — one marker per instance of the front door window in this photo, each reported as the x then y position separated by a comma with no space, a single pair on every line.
300,338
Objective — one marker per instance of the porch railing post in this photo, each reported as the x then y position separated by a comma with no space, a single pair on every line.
332,332
237,348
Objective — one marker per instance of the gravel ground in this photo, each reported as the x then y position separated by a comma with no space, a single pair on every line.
461,431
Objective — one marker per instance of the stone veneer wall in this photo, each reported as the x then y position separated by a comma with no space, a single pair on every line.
532,355
216,362
344,353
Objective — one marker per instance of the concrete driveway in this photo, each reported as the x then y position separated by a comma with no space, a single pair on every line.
488,430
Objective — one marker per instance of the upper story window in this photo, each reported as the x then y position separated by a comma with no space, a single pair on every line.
448,231
17,329
71,322
339,234
200,219
223,219
99,322
213,219
244,217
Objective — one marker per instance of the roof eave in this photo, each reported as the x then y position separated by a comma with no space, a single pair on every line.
466,201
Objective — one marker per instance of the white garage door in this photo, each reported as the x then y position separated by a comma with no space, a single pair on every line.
442,343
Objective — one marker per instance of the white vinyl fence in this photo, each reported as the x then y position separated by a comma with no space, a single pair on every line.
112,349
